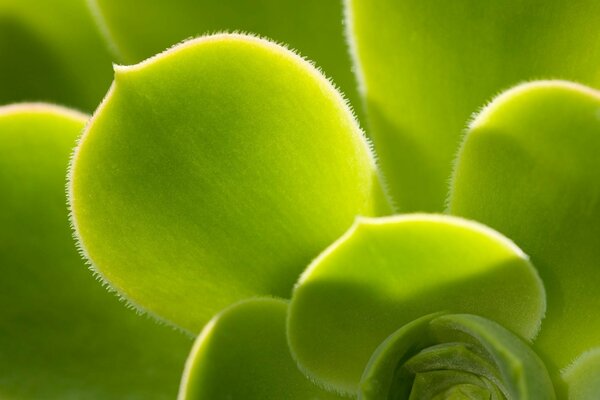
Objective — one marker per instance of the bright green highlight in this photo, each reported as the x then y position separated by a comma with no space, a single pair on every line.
313,27
426,66
583,376
242,353
51,51
530,168
63,336
215,172
384,273
456,356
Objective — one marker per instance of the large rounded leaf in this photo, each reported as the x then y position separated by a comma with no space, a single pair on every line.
456,356
427,66
242,353
530,167
62,336
51,51
314,27
215,172
384,273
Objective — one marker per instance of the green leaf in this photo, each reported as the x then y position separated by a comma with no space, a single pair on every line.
215,172
313,27
384,273
583,376
51,51
529,167
426,66
62,336
455,357
242,353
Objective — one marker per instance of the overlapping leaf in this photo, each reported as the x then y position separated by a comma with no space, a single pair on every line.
63,336
456,356
243,354
427,66
529,167
51,51
314,27
385,273
583,376
215,172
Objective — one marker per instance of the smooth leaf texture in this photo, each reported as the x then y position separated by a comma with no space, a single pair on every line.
437,356
51,51
426,66
215,172
384,273
529,167
242,353
313,27
63,336
583,376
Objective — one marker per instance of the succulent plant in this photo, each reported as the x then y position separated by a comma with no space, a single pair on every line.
441,242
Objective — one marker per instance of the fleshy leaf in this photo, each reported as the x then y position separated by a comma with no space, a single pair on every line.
51,51
314,27
442,356
583,376
529,167
215,172
63,336
384,273
427,66
242,353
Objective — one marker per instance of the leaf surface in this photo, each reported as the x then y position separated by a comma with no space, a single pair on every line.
583,376
314,27
215,172
442,356
243,354
425,67
63,336
384,273
52,51
529,167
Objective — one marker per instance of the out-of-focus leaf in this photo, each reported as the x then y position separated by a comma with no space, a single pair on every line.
384,273
215,172
52,51
242,353
62,336
313,27
583,376
530,168
456,356
425,66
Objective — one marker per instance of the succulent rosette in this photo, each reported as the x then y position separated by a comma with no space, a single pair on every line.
224,187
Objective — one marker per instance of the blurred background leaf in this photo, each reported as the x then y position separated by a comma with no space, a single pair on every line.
62,335
583,376
426,66
137,30
52,51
